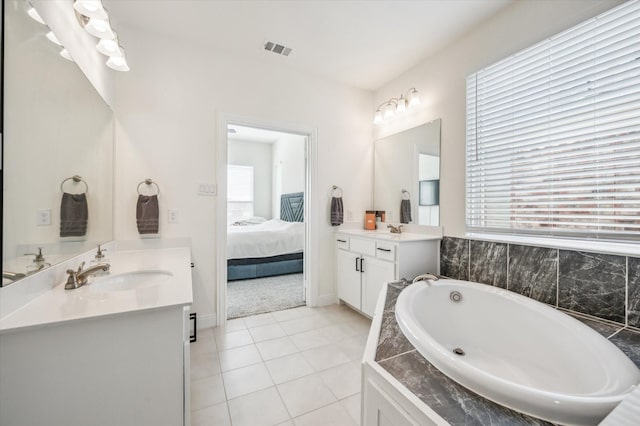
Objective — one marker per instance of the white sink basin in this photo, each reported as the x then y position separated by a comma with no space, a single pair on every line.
515,351
131,280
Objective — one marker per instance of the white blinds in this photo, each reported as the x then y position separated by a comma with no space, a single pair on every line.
553,134
239,192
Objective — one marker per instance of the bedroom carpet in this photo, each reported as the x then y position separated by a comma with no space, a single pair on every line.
261,295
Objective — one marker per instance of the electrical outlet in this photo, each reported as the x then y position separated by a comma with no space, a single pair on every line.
349,215
173,216
43,217
210,189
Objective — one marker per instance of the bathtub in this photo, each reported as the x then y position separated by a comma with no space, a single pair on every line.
515,351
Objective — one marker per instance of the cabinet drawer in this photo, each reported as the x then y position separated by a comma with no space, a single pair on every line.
363,246
386,251
342,242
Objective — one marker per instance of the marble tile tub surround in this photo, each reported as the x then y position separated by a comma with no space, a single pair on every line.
602,286
454,403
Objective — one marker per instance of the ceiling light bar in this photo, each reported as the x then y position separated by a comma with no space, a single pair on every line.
394,106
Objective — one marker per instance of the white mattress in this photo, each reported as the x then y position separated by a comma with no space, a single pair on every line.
272,238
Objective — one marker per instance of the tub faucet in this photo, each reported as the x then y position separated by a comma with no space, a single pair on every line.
425,277
81,276
395,229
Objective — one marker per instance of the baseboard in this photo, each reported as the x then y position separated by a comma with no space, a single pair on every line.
327,299
207,321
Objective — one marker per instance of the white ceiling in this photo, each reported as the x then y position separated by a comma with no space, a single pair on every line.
364,43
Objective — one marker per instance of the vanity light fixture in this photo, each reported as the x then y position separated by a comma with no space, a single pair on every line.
65,54
93,17
389,108
53,39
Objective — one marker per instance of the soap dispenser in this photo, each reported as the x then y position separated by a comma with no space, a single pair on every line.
38,263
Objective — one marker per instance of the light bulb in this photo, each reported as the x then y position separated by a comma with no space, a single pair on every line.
402,105
413,98
389,110
99,28
118,63
53,39
65,54
109,47
90,8
35,15
377,117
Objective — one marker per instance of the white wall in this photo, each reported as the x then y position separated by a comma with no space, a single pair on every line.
440,81
166,129
288,157
259,156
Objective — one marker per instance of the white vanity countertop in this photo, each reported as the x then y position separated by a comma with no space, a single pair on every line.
58,305
388,236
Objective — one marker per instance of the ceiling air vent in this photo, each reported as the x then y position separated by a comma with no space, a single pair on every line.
277,48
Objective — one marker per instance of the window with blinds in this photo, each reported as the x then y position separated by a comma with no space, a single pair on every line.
553,134
239,193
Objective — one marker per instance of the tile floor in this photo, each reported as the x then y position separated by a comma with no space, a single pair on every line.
297,367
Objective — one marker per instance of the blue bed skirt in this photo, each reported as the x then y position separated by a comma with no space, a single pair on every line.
245,269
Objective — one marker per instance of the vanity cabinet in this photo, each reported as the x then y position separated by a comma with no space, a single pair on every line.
367,260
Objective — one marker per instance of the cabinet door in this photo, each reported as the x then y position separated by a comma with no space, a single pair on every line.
349,278
375,273
381,410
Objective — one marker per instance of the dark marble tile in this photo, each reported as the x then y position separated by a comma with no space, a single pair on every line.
393,291
633,311
488,263
533,271
456,404
454,258
604,329
391,341
593,284
629,342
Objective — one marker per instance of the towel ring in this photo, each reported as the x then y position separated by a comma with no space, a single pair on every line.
334,189
76,179
405,195
148,182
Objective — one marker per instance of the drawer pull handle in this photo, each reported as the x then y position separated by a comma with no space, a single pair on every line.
383,249
341,241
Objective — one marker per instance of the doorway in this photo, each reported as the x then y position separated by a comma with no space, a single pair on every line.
264,218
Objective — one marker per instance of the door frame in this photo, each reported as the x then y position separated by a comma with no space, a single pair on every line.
311,232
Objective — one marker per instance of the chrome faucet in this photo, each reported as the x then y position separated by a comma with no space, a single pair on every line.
395,229
81,276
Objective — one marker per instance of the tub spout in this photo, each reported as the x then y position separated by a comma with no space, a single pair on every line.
425,277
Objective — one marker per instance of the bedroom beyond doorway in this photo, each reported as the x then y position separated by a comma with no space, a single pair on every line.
266,181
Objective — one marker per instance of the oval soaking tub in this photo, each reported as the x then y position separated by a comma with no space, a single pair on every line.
516,351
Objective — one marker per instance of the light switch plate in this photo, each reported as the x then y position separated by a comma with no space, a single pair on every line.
210,189
172,216
43,217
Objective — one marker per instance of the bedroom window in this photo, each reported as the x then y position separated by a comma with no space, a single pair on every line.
553,135
239,193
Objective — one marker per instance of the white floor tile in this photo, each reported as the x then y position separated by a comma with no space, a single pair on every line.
242,356
305,394
215,415
295,313
353,347
353,405
331,415
343,380
231,325
266,332
204,365
275,348
258,320
336,332
300,325
262,408
233,339
207,392
288,367
206,343
325,357
245,380
309,339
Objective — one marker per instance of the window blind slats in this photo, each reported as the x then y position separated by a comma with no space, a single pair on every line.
553,134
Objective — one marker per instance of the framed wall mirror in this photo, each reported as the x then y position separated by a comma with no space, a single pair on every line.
409,161
55,127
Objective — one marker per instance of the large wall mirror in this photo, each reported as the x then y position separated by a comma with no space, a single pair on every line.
56,126
407,166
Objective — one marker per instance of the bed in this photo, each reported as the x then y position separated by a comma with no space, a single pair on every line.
265,248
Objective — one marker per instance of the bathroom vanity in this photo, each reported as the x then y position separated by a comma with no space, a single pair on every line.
112,352
367,259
